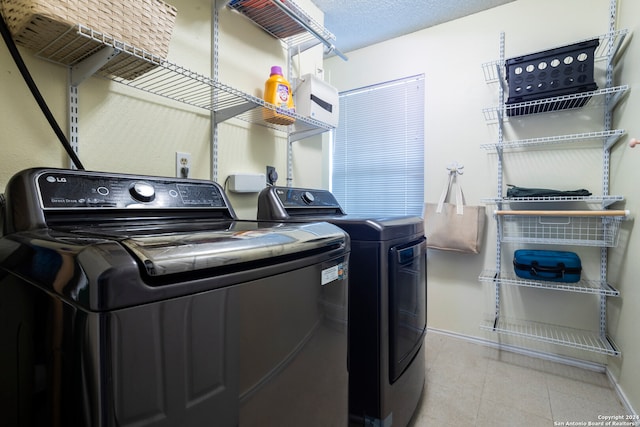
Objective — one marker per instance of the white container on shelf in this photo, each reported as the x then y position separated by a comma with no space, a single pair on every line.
316,99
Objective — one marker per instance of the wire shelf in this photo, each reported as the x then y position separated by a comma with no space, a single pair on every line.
607,97
285,20
555,200
583,286
274,19
608,138
494,71
599,231
569,337
155,75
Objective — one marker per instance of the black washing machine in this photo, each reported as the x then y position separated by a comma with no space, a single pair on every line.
387,302
142,301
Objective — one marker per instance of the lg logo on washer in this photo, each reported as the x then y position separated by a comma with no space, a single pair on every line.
53,179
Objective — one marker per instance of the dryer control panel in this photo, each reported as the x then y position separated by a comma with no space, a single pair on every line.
297,197
282,203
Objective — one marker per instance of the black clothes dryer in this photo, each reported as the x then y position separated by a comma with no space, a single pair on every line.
142,301
387,302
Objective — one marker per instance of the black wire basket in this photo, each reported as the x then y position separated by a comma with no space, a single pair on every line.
552,73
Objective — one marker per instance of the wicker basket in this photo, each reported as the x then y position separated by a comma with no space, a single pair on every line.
48,24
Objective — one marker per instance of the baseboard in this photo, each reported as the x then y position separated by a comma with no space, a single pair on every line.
592,366
620,393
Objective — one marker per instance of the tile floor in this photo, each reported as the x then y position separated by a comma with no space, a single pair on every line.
469,384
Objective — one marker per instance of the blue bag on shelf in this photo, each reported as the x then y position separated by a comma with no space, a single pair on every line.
551,266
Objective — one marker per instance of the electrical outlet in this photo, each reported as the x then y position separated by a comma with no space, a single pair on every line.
183,164
272,175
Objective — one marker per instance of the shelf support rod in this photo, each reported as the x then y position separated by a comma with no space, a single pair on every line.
297,136
303,47
611,58
612,102
613,139
228,113
501,78
88,67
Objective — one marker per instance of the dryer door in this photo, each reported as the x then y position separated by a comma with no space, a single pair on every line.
407,304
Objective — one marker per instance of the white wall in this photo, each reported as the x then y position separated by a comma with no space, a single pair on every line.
125,130
451,55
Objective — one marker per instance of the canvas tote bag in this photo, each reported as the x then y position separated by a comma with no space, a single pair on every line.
454,227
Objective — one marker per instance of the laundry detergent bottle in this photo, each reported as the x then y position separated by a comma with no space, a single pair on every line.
277,91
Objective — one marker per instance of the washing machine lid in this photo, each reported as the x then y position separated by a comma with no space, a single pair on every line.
107,268
241,243
173,247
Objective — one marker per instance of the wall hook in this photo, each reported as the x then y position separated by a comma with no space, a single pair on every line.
455,168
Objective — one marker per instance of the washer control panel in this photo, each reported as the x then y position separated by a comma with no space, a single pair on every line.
82,190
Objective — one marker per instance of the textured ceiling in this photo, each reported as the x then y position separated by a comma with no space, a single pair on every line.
360,23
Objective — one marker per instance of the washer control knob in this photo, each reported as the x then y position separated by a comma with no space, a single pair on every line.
307,197
142,191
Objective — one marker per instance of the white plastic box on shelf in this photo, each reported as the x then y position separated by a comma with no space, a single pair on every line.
317,99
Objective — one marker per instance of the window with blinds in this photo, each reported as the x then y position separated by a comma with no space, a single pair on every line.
378,149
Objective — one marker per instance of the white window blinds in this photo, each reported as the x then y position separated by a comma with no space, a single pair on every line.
378,149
